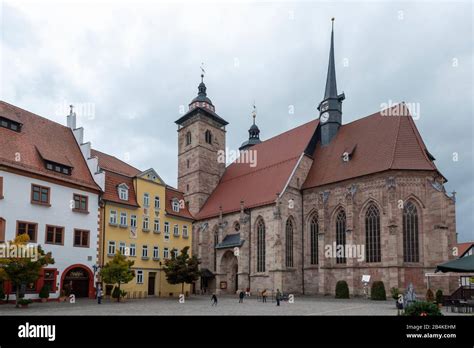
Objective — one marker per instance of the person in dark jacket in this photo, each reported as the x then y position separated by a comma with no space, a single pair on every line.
278,297
241,297
214,300
264,295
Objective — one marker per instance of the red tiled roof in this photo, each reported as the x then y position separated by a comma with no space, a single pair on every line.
55,141
113,164
112,181
172,193
381,143
463,247
256,186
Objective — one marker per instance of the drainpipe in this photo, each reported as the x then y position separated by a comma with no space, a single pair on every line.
103,230
250,245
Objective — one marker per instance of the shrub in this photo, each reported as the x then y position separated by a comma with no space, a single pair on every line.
116,293
395,293
2,293
342,290
44,292
377,292
429,296
439,296
422,308
24,301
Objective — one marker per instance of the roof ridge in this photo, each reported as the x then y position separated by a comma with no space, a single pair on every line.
32,113
420,141
396,142
260,169
288,131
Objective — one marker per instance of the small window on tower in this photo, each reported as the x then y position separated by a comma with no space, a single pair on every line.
188,138
208,136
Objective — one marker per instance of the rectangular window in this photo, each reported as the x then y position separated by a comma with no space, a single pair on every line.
133,250
123,193
113,217
176,206
176,230
30,228
122,246
166,253
167,230
80,203
146,223
146,200
185,231
54,235
111,248
49,279
123,219
156,226
157,202
40,194
139,277
133,220
145,252
2,230
81,238
156,253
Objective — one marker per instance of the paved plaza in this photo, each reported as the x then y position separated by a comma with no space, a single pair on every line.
201,305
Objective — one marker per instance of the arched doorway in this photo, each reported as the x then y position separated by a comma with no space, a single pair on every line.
230,267
78,280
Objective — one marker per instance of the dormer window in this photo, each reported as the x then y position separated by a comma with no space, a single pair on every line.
10,124
176,206
59,168
123,192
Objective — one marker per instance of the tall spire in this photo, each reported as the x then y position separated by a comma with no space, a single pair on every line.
330,108
331,87
254,132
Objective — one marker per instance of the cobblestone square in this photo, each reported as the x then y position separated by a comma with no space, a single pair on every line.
201,305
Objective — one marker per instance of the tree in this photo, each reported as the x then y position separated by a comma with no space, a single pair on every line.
118,271
378,291
182,268
21,270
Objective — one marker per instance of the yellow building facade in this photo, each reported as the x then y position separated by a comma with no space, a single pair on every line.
146,221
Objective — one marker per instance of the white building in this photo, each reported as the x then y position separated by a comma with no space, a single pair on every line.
47,190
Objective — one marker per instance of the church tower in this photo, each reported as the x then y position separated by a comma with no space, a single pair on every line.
201,145
330,108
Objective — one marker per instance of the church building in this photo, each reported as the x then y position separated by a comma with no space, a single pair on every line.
325,201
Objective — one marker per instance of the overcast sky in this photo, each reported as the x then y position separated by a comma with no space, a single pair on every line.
132,67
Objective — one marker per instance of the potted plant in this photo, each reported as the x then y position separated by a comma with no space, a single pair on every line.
439,297
429,296
44,293
23,302
422,309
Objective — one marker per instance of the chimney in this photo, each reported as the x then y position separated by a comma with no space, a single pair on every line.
71,118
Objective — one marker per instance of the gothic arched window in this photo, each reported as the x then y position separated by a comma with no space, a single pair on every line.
208,136
372,234
410,233
260,246
289,242
341,237
314,230
188,138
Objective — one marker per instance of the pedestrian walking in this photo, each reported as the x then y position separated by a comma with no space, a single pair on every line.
214,300
278,297
241,297
100,294
264,295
